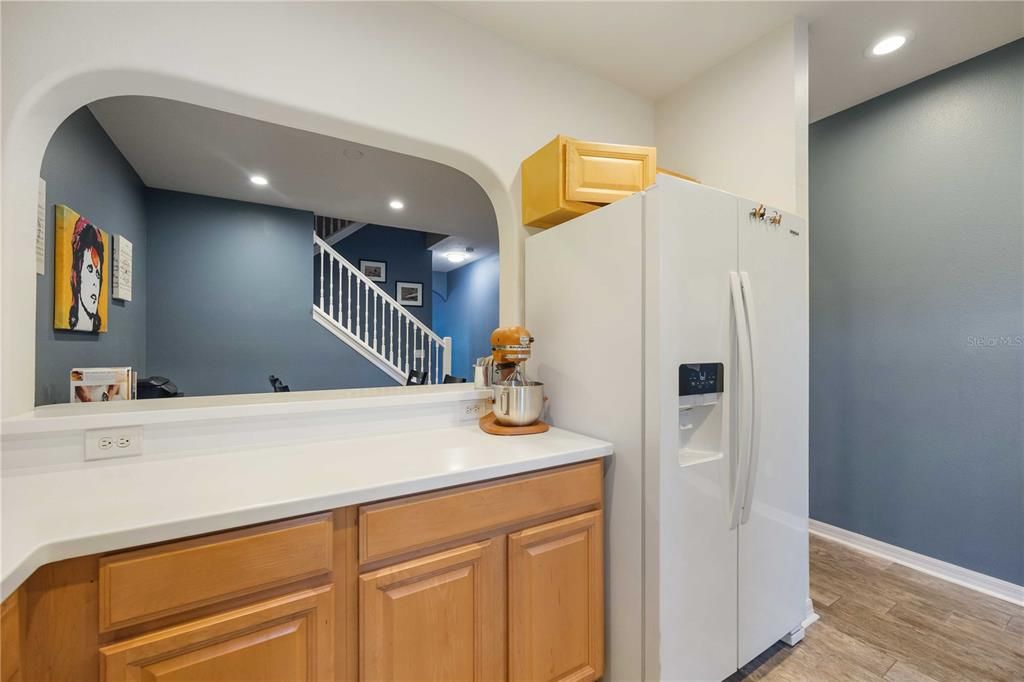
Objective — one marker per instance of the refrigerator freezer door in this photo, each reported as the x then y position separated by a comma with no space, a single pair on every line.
690,468
773,553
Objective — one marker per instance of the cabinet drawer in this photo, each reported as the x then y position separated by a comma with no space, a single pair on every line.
287,639
390,529
158,581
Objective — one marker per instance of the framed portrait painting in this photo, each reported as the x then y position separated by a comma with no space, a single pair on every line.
81,279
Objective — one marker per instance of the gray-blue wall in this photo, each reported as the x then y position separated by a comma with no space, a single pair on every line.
917,316
406,255
230,300
85,171
466,309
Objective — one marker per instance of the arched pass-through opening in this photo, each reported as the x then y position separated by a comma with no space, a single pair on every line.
47,105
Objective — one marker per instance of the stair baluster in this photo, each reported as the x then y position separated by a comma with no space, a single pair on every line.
381,325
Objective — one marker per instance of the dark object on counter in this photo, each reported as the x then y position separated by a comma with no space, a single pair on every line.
278,385
156,387
416,378
449,379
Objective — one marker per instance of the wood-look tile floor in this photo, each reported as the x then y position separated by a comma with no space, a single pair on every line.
883,621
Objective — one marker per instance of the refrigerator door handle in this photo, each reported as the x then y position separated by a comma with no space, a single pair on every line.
755,394
741,444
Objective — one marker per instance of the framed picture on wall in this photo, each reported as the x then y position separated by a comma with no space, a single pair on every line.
409,293
375,270
81,279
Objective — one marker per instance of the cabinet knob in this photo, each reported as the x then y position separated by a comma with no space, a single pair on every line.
758,213
776,218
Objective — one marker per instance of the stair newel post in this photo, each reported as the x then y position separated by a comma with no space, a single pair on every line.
426,358
446,356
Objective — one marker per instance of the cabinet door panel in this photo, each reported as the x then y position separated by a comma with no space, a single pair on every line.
603,173
556,600
440,617
287,639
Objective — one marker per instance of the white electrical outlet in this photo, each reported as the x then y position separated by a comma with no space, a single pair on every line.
124,441
478,408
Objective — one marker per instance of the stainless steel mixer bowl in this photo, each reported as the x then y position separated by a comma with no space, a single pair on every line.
519,405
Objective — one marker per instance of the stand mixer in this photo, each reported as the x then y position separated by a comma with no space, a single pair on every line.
518,402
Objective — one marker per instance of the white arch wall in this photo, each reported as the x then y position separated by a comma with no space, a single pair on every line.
406,77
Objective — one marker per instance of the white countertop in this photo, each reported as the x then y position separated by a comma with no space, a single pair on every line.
49,515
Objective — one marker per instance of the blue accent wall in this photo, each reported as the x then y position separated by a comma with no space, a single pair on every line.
406,255
230,300
468,312
917,316
86,172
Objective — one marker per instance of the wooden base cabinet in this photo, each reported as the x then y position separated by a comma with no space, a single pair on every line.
499,580
525,603
288,638
440,617
556,600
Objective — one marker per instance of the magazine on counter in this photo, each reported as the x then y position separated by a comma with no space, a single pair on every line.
101,384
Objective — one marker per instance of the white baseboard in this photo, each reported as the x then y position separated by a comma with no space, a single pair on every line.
811,617
986,584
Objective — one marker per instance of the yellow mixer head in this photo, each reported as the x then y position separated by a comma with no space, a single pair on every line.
511,345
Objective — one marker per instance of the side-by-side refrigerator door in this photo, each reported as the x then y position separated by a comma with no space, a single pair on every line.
773,553
691,338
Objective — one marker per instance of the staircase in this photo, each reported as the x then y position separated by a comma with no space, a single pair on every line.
367,318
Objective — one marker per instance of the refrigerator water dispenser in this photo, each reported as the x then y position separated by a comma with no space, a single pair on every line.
700,412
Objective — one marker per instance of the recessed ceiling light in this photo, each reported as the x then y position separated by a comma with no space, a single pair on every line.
889,44
396,204
258,180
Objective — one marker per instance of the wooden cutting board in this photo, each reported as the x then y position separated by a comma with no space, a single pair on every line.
489,425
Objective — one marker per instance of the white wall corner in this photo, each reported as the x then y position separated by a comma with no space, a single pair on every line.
741,125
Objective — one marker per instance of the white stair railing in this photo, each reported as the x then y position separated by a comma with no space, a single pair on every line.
362,314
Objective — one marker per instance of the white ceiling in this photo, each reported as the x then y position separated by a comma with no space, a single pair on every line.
652,48
182,147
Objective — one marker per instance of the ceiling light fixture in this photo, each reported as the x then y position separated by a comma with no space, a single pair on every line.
258,180
397,204
889,44
459,256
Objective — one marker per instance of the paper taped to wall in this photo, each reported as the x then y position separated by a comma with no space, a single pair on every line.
41,229
121,286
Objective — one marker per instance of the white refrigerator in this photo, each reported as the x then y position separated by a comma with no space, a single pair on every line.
673,323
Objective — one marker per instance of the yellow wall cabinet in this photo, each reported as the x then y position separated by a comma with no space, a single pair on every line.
567,177
500,580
